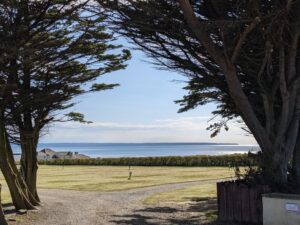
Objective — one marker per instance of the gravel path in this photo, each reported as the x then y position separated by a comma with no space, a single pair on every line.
65,207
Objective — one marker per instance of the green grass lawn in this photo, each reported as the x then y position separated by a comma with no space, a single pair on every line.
200,192
115,178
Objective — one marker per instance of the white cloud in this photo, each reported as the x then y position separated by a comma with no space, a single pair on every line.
182,129
181,122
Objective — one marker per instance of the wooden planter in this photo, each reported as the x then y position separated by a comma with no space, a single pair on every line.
239,202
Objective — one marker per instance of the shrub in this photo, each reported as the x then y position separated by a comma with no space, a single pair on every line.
233,160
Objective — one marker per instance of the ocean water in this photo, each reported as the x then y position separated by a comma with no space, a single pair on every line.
114,150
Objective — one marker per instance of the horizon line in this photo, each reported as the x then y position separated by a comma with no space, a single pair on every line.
209,143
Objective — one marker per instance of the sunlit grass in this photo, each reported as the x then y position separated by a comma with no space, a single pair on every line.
111,178
115,178
5,195
199,192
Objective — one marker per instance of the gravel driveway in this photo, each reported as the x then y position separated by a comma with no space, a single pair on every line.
65,207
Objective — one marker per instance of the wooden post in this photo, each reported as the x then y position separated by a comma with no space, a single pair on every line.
2,216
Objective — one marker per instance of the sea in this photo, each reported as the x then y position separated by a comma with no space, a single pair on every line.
116,150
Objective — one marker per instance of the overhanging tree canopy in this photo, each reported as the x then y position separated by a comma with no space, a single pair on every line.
244,55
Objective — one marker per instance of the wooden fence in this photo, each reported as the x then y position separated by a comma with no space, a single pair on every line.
241,203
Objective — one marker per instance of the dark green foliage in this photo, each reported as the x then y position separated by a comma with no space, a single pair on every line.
164,37
201,160
52,51
242,55
77,117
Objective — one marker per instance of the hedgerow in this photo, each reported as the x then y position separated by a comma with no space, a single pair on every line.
201,160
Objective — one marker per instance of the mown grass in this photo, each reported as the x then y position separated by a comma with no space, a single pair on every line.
201,192
115,178
5,196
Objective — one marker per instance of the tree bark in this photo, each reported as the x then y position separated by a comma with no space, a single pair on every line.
23,184
29,164
296,166
21,197
2,216
275,170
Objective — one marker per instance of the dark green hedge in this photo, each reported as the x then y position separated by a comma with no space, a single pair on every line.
222,160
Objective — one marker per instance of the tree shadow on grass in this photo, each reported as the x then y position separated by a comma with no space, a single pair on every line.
193,213
133,219
203,206
158,210
9,209
139,219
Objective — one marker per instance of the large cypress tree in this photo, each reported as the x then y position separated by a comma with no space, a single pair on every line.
51,52
243,55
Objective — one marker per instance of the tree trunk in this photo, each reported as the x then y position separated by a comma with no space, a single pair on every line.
2,216
275,169
280,171
29,164
23,184
296,166
21,197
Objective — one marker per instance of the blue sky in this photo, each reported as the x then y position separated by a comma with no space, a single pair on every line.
142,109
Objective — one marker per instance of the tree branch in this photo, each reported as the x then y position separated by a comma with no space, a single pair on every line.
228,68
201,35
243,38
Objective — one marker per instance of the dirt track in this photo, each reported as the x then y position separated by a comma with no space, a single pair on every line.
65,207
